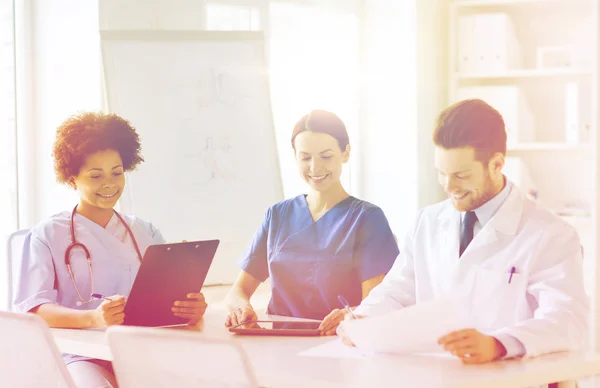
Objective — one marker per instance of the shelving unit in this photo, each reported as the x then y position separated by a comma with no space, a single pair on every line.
549,113
538,146
512,75
509,3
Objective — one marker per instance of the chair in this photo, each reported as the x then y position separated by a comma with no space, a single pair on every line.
146,357
28,354
14,249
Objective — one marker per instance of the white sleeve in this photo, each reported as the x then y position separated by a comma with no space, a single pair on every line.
34,275
397,290
156,236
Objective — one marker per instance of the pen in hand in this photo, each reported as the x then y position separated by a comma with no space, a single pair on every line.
346,305
100,296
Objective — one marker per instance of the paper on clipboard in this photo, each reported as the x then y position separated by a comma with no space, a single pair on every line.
413,329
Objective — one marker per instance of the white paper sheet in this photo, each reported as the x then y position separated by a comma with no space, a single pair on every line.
335,349
413,329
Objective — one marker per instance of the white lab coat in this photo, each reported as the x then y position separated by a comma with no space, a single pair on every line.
544,306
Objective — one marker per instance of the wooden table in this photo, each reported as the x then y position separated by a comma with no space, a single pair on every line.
277,363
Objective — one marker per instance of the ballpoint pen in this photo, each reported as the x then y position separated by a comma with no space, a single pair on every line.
100,296
344,303
512,271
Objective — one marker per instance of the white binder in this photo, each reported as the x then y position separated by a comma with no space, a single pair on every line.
496,48
512,105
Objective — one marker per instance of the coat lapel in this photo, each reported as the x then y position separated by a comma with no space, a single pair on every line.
447,262
493,235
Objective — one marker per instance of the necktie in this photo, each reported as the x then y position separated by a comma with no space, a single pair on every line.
466,232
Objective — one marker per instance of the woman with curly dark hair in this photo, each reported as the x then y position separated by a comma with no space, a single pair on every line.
74,259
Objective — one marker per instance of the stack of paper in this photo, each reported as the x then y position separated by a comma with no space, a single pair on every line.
414,329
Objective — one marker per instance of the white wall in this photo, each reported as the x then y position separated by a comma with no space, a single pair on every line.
400,109
65,70
389,132
432,90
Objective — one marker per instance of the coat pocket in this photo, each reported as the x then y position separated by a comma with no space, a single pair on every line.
495,298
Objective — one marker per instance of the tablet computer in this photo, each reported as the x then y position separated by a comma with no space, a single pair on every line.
287,328
168,273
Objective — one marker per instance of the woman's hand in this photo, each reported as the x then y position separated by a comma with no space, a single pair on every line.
331,322
192,309
110,312
239,315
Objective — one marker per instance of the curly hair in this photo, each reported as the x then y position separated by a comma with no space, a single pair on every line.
86,133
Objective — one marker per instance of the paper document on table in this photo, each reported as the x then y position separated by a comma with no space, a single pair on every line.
335,349
413,329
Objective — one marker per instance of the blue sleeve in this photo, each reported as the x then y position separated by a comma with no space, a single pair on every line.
34,276
376,248
255,260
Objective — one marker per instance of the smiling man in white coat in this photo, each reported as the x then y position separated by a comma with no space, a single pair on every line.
521,263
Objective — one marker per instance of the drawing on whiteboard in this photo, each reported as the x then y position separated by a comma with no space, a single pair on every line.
229,87
186,132
188,97
210,88
214,161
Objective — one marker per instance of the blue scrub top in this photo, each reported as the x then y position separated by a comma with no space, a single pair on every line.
311,263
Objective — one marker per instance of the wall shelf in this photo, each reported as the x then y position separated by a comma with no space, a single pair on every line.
549,147
524,74
465,4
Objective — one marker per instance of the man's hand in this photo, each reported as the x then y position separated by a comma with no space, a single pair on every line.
340,330
472,346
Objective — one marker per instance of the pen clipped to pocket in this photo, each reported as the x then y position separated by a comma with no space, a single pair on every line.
513,270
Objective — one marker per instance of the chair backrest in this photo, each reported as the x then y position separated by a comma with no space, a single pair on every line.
14,251
28,354
164,357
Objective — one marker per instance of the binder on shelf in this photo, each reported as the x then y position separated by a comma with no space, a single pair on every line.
511,103
487,43
466,44
572,126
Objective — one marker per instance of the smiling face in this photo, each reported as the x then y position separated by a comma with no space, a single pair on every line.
319,159
468,182
101,180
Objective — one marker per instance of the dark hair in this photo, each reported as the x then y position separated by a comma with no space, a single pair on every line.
85,133
324,122
471,123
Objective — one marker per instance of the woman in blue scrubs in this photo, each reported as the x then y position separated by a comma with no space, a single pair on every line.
90,249
318,246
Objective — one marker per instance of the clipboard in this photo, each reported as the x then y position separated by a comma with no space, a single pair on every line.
168,273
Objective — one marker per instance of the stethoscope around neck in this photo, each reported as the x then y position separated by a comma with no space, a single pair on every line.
76,244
